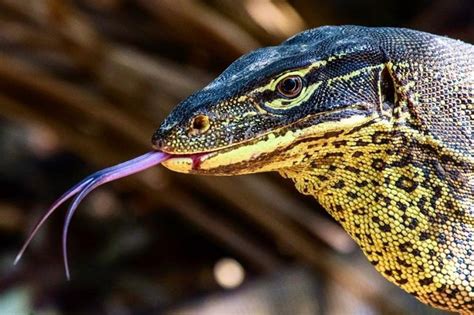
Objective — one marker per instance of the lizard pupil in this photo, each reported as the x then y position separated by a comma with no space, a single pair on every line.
290,86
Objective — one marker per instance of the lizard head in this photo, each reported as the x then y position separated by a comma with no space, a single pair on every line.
249,119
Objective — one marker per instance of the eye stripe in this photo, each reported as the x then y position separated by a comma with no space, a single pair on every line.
350,75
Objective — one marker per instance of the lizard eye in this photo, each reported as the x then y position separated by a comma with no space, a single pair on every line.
199,124
290,86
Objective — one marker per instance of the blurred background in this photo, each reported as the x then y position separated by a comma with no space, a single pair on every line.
83,85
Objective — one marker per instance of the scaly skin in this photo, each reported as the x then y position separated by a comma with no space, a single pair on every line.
380,135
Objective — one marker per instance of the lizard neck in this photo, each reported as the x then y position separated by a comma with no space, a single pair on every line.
402,198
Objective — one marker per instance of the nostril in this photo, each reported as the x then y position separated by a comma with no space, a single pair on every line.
199,124
158,144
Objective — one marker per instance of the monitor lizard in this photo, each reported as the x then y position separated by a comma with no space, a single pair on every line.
375,123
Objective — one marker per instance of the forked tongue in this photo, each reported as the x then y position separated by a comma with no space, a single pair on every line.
88,184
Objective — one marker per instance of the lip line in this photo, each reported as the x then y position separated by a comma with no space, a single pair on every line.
190,155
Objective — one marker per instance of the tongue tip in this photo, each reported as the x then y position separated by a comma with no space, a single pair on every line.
17,258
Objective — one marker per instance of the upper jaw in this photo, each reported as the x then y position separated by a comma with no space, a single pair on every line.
233,160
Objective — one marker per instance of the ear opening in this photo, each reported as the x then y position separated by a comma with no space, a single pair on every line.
387,87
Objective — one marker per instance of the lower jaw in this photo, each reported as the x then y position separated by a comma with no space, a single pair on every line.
229,161
225,163
209,164
200,165
220,163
